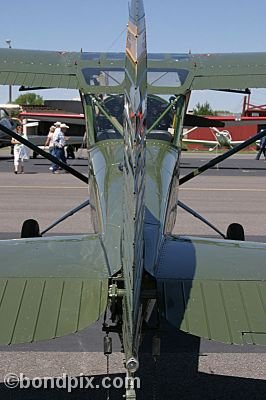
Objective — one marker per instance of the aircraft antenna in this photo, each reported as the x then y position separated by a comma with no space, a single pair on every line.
116,39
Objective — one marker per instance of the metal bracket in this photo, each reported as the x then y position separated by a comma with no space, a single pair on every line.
115,292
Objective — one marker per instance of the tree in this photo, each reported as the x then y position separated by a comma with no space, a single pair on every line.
203,109
29,99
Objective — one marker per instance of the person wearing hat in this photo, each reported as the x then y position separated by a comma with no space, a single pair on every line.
64,126
21,152
57,126
59,144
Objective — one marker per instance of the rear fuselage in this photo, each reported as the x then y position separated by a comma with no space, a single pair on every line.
107,196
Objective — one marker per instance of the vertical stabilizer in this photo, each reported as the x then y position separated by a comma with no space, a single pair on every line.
134,168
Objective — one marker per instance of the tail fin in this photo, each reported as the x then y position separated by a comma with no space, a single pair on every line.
134,170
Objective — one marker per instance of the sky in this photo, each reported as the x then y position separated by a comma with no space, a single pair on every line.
175,26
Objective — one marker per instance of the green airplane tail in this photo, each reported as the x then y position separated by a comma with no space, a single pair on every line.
134,166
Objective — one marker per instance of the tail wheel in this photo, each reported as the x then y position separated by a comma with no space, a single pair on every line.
235,232
30,228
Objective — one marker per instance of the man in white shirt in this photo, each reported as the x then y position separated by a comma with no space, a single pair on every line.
59,144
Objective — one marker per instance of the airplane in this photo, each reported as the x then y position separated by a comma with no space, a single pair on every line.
53,286
5,139
222,139
38,140
32,120
11,123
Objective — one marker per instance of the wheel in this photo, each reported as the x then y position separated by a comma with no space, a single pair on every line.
235,232
30,228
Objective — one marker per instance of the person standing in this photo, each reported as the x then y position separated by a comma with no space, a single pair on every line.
50,142
21,152
50,139
59,144
262,148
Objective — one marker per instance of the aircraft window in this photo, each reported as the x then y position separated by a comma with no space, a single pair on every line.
114,76
103,77
156,56
115,56
164,56
3,113
108,134
178,57
160,135
166,77
115,107
155,107
90,56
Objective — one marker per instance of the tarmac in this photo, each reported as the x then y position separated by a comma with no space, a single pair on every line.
189,368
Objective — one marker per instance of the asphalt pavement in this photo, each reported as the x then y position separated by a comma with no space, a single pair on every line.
188,368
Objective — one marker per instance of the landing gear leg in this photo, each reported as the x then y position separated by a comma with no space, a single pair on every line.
132,366
130,390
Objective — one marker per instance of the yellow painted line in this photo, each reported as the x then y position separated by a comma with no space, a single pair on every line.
181,188
43,187
223,190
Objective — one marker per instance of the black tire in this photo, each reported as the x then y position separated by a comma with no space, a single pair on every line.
235,232
30,228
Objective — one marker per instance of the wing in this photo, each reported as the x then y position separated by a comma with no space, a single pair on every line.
40,140
68,118
88,72
223,71
236,142
202,142
105,72
33,68
214,289
50,287
178,73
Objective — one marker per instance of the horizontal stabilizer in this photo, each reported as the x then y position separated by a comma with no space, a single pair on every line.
50,287
214,289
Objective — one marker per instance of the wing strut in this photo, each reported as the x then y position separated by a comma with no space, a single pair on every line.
196,215
44,154
65,216
222,157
